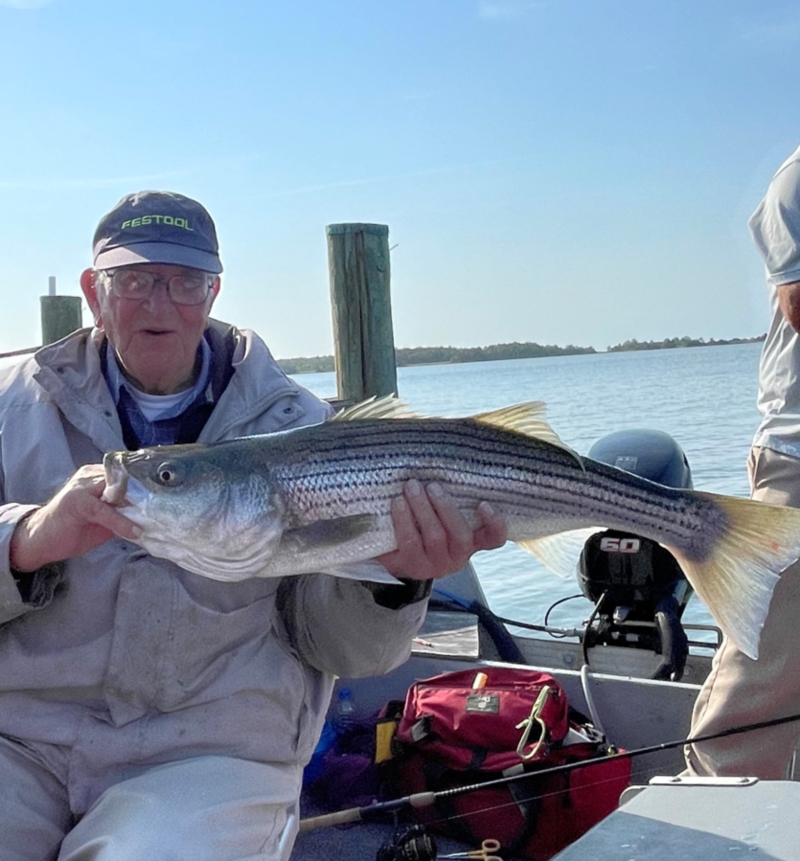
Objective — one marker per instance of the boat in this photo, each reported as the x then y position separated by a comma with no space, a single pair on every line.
634,667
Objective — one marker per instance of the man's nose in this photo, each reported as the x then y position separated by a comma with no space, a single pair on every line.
159,296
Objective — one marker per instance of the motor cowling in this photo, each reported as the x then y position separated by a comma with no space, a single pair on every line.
637,586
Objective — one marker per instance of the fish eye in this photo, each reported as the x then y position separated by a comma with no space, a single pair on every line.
167,473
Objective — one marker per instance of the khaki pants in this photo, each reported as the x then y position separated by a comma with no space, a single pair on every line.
739,690
210,808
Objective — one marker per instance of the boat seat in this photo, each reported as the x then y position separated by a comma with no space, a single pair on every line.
708,819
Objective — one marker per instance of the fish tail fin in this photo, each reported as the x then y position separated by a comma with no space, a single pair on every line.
737,581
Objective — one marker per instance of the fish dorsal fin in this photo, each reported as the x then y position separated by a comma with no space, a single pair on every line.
386,407
528,419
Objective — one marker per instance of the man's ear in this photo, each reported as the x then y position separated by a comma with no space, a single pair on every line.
214,292
89,287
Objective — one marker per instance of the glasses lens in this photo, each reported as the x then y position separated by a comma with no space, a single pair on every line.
188,289
132,283
138,284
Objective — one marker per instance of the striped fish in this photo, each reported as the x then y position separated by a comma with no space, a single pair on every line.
318,499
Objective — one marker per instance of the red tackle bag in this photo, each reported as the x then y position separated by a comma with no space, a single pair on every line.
474,726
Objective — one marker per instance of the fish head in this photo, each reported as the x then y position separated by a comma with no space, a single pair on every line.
206,508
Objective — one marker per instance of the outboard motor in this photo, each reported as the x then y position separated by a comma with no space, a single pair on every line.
638,588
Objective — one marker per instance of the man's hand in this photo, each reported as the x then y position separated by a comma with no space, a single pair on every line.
74,521
433,537
789,302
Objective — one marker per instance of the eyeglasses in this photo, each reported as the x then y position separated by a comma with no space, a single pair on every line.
139,284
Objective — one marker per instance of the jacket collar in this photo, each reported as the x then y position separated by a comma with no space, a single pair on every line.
71,373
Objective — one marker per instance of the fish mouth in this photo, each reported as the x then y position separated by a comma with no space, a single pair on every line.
116,478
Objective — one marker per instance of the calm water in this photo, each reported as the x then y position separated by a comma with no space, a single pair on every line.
703,396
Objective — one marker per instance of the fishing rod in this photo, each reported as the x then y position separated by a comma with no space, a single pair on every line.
428,799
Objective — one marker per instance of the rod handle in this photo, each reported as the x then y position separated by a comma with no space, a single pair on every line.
353,814
422,799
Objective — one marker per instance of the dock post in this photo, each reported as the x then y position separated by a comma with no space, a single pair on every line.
358,263
61,315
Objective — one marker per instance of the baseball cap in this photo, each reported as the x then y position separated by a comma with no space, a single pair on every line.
157,227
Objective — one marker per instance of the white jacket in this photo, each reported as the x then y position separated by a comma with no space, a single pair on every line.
129,660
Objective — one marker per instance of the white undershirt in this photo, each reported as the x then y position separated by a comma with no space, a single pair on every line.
155,406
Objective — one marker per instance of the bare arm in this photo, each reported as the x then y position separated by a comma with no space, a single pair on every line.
74,521
789,302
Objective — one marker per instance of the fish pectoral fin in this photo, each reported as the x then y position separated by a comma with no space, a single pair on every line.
561,552
528,419
370,569
326,533
387,407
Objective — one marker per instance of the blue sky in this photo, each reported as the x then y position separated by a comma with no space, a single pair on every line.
559,171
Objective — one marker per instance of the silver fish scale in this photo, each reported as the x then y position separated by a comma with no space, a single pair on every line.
344,468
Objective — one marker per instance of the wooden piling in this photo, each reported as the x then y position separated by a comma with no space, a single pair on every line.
358,263
61,315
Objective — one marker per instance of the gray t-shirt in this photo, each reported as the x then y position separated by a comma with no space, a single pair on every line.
775,226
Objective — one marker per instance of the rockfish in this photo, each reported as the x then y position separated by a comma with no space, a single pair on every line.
318,499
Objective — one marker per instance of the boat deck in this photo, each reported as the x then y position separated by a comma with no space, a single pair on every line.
359,842
633,711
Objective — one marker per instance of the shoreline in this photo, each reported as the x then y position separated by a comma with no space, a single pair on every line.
503,352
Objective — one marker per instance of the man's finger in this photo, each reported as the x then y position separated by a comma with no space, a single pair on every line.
94,510
405,528
493,531
91,476
458,531
431,531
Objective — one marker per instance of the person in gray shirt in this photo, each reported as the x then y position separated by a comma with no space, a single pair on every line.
739,690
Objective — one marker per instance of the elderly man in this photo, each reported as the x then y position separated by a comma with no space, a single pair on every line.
147,712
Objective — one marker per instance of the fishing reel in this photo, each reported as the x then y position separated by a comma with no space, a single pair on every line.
408,843
638,588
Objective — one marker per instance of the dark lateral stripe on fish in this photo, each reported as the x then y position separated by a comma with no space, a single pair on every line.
354,459
347,458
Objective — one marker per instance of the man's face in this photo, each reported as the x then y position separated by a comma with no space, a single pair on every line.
155,338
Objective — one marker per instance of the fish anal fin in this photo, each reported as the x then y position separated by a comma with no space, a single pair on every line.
560,553
328,533
369,569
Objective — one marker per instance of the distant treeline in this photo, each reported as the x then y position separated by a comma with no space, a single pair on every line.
442,355
671,343
314,365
